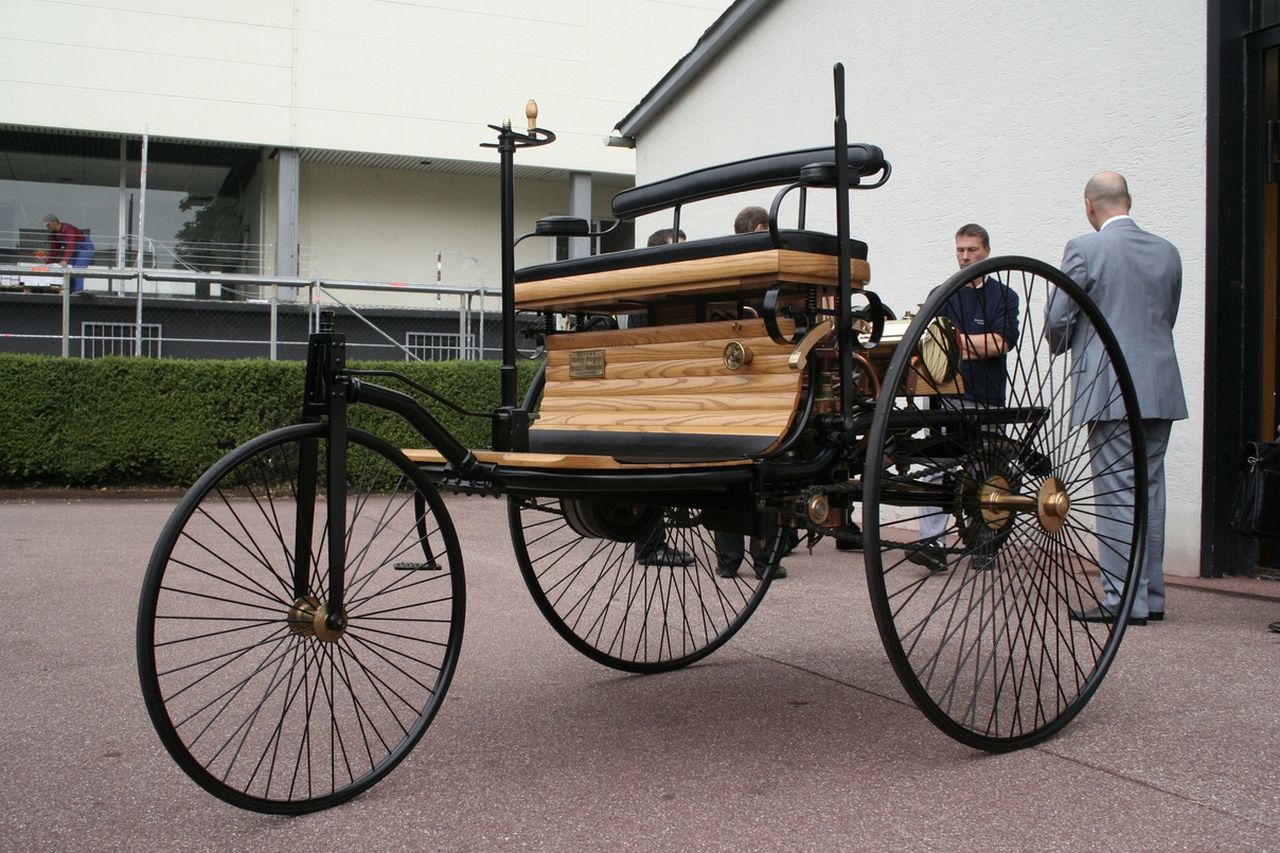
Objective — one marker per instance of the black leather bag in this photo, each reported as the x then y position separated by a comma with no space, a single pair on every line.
1255,507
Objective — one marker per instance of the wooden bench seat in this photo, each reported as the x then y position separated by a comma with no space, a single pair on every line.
736,267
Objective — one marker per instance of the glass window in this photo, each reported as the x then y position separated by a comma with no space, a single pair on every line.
78,185
202,199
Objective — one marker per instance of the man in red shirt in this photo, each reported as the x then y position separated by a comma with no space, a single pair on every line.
70,246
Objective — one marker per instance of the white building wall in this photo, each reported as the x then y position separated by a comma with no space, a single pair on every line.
995,112
417,77
411,77
390,225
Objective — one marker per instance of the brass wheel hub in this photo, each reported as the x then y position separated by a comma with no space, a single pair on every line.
1054,505
309,618
1051,503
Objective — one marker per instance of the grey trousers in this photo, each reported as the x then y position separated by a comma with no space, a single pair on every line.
1112,459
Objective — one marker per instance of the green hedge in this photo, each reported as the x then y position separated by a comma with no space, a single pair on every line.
144,422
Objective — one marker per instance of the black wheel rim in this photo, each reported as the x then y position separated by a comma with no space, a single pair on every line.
256,707
979,629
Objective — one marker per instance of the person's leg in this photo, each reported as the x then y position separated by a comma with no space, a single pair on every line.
933,525
82,258
1111,458
729,553
647,544
792,540
762,545
1157,436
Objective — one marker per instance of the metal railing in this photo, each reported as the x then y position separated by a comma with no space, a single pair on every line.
292,293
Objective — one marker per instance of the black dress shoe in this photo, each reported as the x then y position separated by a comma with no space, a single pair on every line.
780,573
929,556
853,542
726,572
1103,615
1275,627
1156,616
662,555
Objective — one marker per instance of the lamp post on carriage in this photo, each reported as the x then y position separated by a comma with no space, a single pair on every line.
509,141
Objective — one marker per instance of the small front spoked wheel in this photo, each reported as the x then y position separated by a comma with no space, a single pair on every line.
260,696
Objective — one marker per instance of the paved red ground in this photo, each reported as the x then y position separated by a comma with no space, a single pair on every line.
795,736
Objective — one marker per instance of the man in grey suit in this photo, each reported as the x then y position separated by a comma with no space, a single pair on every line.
1135,278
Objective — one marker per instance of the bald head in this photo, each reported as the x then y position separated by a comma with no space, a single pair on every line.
1106,195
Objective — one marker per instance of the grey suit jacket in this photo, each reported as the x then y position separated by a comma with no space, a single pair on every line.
1136,279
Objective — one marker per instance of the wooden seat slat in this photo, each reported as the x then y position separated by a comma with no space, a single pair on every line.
704,386
670,404
696,352
675,368
747,328
751,272
728,424
565,461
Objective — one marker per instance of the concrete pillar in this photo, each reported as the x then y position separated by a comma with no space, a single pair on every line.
580,205
287,175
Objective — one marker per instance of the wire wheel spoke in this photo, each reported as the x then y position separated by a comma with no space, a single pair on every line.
1040,505
257,704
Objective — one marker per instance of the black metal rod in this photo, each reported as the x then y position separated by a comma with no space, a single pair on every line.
336,499
421,420
308,456
844,331
506,154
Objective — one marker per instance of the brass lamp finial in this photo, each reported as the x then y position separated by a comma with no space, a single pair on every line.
531,113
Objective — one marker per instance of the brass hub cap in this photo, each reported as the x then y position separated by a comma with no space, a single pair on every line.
1054,505
1051,504
309,618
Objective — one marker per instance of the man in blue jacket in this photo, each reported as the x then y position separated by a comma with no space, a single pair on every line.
985,314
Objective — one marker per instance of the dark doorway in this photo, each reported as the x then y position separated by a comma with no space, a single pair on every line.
1242,259
1263,227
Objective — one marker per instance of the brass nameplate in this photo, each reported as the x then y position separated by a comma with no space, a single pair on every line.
586,364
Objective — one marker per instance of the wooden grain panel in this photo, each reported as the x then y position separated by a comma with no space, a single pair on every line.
726,329
709,386
671,403
672,381
688,278
713,349
565,461
680,367
709,425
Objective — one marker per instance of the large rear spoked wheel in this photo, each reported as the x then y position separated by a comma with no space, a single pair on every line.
999,498
251,688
